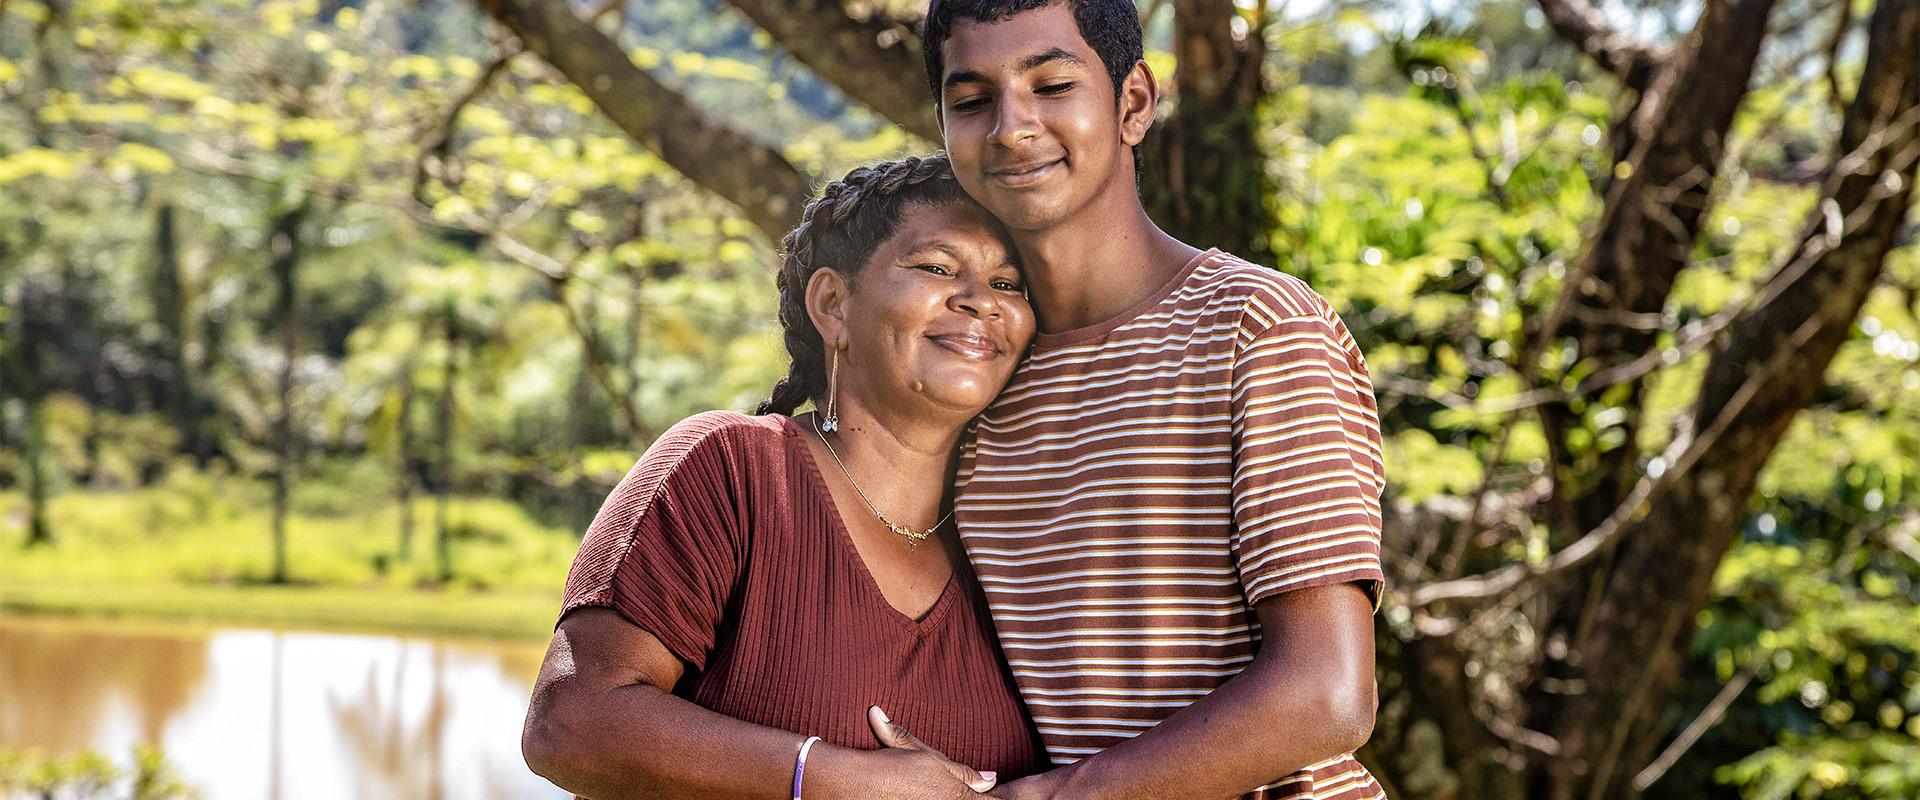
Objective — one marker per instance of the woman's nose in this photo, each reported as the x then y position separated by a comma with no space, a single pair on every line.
976,299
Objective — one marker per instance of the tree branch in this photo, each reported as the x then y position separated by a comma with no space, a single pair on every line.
1671,146
558,275
1834,41
766,188
438,144
1797,320
1709,717
1579,23
1682,454
876,61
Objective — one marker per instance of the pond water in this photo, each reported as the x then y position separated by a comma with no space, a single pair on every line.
247,714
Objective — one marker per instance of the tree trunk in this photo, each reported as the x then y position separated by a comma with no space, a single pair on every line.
1670,142
20,371
38,531
170,307
443,484
284,244
1775,360
1204,170
1570,702
403,443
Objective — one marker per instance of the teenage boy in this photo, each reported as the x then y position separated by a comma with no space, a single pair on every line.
1173,508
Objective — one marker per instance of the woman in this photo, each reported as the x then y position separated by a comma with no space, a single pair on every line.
756,582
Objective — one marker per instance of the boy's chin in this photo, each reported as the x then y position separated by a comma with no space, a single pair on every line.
1029,213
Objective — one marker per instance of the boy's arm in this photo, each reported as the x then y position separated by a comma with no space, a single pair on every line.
1307,697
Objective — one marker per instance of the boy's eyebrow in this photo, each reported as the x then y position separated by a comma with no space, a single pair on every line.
1035,61
1049,56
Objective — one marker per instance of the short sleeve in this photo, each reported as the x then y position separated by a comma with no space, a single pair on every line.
666,547
1307,471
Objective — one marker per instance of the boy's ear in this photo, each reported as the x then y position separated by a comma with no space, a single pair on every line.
1139,96
827,296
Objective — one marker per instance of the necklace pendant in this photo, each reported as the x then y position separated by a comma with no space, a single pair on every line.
913,536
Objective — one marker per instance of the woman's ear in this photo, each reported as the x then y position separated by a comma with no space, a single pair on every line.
1139,95
828,295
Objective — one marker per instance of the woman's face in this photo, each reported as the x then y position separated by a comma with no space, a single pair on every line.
937,316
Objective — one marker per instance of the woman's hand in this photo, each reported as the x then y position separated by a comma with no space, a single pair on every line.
900,740
896,773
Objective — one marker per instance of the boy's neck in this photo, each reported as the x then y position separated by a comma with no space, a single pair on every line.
1091,268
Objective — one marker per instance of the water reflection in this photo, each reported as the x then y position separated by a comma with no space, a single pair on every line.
247,714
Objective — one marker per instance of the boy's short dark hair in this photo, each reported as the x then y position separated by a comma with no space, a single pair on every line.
1110,27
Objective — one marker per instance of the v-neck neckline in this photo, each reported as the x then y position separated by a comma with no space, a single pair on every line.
844,535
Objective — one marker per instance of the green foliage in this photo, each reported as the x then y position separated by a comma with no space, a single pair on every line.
190,546
1874,766
90,776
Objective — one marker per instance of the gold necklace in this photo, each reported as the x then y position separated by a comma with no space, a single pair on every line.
914,537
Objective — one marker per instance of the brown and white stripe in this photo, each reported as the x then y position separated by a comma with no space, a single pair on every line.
1142,483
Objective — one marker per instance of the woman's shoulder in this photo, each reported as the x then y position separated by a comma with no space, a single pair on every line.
724,434
731,425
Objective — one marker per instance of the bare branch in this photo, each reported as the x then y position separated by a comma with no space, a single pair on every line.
1834,42
1580,24
1681,455
558,275
1709,717
438,144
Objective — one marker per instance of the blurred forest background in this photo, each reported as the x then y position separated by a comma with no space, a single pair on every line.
346,313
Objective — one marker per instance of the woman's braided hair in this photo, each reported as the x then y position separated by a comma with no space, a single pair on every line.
841,229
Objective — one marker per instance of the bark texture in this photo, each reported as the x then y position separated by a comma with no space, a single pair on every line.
283,243
874,59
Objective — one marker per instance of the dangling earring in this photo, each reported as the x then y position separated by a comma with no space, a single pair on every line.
832,421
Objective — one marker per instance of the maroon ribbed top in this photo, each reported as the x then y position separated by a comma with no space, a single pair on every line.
723,542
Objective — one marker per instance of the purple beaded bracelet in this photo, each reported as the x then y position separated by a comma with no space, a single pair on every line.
800,764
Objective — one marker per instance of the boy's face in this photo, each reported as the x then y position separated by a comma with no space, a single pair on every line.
1030,119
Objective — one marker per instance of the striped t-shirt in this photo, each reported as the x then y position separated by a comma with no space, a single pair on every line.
1143,482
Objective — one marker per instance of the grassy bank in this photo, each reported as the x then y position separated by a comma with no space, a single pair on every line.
517,616
198,548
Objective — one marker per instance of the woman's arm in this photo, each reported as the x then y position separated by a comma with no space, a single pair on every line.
604,724
1307,697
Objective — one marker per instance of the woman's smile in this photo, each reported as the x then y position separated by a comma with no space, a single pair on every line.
969,345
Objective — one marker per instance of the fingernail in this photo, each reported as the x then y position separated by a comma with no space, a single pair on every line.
882,712
990,775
